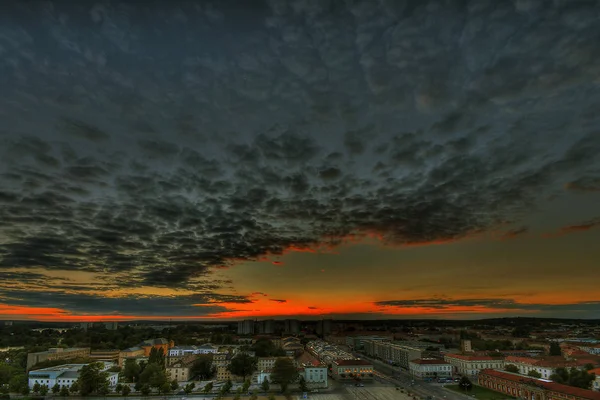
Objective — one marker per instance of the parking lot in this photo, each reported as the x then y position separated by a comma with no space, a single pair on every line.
362,393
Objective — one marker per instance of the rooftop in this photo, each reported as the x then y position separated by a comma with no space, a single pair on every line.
352,362
430,361
474,357
552,386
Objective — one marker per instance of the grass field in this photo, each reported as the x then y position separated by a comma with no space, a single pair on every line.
480,393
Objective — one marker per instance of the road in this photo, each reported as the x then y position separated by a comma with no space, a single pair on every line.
400,377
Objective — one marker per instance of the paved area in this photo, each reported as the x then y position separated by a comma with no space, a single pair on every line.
364,393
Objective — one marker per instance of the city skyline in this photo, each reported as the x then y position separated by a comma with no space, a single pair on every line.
417,159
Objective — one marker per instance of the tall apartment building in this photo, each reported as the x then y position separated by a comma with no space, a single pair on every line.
57,354
291,326
324,327
465,346
392,352
246,327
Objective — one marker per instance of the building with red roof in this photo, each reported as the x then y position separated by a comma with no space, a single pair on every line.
470,365
530,388
356,369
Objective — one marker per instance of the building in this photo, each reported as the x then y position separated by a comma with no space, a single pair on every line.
57,354
324,327
315,374
65,375
246,327
544,366
358,342
132,352
111,326
352,370
530,388
105,355
471,365
291,326
179,351
429,368
160,343
179,370
392,353
465,346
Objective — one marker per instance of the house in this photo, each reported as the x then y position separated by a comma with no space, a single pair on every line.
132,352
160,343
596,382
531,388
180,370
314,374
429,368
544,366
57,354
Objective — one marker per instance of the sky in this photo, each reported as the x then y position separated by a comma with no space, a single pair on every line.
310,159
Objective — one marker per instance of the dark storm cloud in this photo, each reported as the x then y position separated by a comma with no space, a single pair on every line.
586,184
158,144
279,300
186,305
443,304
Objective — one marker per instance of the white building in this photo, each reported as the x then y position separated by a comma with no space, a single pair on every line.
544,367
65,375
471,365
315,374
430,368
179,351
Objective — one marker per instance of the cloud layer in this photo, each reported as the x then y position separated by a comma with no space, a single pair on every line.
153,144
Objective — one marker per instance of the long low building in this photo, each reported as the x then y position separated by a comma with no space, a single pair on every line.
352,370
544,366
56,354
65,375
430,368
472,365
530,388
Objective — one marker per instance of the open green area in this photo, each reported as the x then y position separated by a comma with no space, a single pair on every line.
480,393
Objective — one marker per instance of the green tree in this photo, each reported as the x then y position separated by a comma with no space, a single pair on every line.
125,390
227,386
165,388
131,370
17,383
521,331
555,349
242,365
534,374
174,385
265,385
91,379
25,390
145,390
589,367
203,367
253,396
271,397
43,390
56,388
104,389
246,386
208,387
157,356
118,388
302,384
36,388
511,368
138,386
465,384
64,391
73,389
284,372
189,388
153,375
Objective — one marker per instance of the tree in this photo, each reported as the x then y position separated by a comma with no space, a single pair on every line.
284,372
145,390
157,356
164,388
125,390
131,370
18,383
203,367
227,386
521,332
253,396
25,390
91,379
174,385
138,386
302,384
118,388
154,375
189,388
573,377
208,387
104,389
36,388
265,385
555,349
534,374
465,384
43,390
246,386
271,397
64,391
589,367
73,389
511,368
242,365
